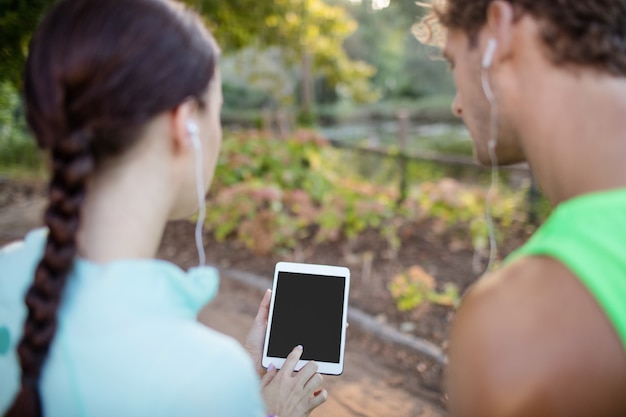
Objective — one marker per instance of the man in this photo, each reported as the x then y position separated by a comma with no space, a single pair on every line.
544,81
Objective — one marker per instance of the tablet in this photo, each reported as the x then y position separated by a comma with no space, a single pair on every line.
308,307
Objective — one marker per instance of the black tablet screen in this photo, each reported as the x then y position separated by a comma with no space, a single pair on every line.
308,311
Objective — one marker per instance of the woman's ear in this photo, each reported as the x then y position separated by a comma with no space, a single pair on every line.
180,119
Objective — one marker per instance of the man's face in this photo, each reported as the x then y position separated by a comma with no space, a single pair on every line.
473,107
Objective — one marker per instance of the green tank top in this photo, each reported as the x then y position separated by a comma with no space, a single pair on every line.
588,235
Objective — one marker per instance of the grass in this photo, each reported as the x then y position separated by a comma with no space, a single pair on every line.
19,154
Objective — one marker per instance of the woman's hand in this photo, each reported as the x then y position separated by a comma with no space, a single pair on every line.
256,336
293,394
286,393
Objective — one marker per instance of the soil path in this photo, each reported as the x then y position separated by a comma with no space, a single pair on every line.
362,391
366,389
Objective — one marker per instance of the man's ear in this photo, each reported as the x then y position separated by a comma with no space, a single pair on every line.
180,117
499,30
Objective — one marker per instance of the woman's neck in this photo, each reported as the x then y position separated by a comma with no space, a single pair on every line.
121,219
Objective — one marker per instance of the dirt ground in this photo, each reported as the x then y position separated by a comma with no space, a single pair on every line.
380,378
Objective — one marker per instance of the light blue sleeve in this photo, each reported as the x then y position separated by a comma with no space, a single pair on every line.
158,370
18,261
108,362
226,385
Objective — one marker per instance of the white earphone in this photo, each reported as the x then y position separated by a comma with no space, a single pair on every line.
194,134
490,50
194,137
492,44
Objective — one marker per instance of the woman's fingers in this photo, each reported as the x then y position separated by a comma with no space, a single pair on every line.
264,308
292,360
269,375
293,393
306,373
256,335
318,399
313,384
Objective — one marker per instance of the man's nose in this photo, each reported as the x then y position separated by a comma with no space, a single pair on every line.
457,110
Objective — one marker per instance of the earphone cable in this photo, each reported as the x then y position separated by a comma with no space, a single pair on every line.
491,145
202,211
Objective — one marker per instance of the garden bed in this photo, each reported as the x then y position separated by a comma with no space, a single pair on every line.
373,266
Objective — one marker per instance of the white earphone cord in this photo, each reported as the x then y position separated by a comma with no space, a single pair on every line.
491,145
202,211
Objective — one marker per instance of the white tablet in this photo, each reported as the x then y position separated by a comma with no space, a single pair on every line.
309,307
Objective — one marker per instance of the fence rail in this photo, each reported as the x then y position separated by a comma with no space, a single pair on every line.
403,157
281,122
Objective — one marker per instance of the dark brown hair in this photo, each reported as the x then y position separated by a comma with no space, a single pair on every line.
587,33
97,71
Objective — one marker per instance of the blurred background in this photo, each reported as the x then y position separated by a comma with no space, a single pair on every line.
339,148
348,67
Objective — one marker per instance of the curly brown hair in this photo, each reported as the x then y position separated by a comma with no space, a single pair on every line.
589,33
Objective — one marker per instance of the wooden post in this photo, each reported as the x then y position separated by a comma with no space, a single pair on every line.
282,120
533,200
403,119
266,120
306,106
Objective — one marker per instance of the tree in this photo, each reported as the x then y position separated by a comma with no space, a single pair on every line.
18,20
316,33
239,23
309,32
405,68
301,28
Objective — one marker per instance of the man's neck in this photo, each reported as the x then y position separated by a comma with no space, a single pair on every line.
574,134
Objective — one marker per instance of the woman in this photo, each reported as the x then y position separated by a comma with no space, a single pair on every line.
126,97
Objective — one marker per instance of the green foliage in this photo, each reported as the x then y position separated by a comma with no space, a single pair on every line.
271,193
238,23
405,68
18,20
296,27
260,183
462,207
236,96
17,148
415,287
306,118
458,210
264,73
358,54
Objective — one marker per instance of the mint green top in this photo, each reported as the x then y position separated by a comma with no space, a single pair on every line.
588,235
128,342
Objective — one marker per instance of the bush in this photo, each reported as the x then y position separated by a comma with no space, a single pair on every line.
18,150
271,193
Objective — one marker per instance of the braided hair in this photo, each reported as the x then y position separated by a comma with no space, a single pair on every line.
97,71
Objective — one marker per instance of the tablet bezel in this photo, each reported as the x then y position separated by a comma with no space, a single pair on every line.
329,368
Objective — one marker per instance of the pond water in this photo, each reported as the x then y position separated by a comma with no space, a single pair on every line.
441,138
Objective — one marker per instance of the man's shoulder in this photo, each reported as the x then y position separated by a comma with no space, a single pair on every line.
536,278
535,339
